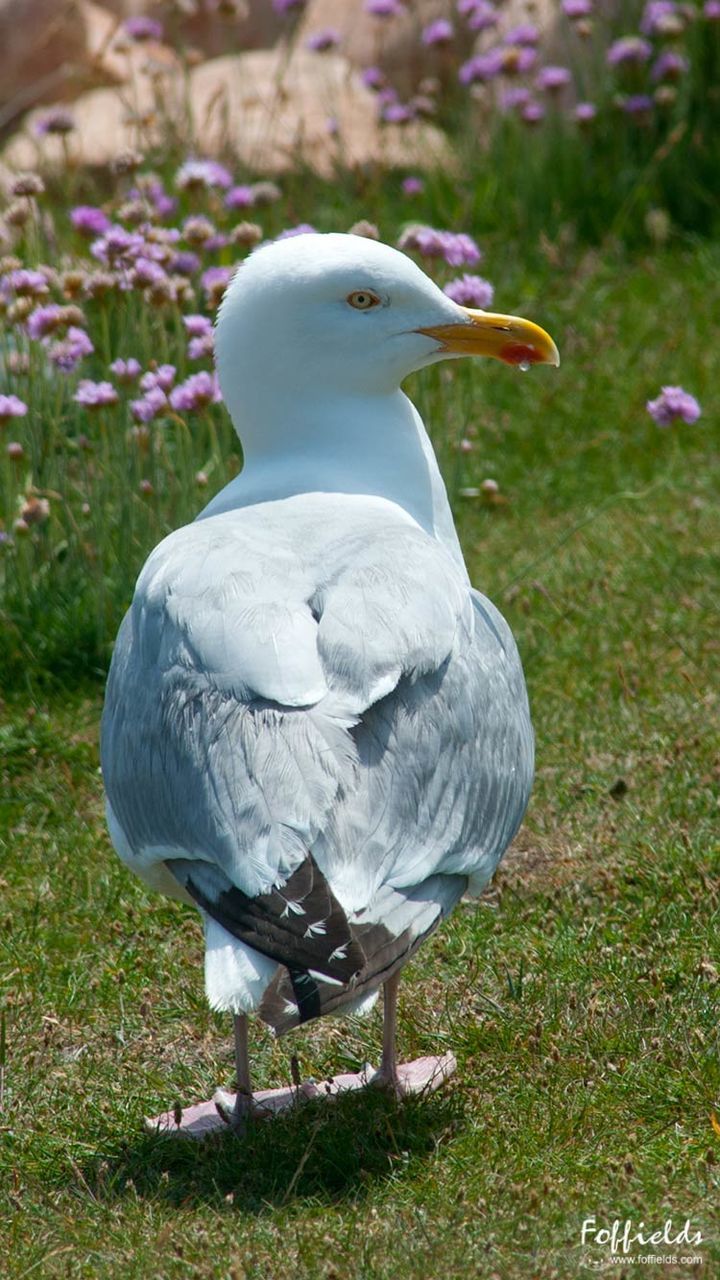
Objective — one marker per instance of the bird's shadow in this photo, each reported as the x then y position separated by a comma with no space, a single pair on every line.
320,1150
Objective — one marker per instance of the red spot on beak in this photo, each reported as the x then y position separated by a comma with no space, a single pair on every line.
517,353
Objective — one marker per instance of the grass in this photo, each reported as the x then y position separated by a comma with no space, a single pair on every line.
581,996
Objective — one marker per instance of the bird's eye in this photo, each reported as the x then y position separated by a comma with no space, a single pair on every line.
363,299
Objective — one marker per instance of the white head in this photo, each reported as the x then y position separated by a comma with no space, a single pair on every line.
314,318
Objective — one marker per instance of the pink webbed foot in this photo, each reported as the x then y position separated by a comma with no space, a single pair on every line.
220,1112
424,1075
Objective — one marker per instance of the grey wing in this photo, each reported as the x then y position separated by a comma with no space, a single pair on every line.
447,759
445,764
225,741
291,761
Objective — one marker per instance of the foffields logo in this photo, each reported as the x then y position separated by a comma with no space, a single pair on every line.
623,1242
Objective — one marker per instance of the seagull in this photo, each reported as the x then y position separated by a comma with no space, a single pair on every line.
316,732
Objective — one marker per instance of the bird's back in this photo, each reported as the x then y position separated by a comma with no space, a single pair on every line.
307,692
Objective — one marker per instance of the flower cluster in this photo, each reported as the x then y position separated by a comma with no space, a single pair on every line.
454,247
672,404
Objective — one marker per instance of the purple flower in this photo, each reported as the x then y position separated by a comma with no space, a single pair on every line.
95,395
661,17
125,370
117,246
438,32
43,320
202,173
712,10
197,391
67,354
302,229
585,112
89,220
628,49
533,112
384,8
216,278
524,34
551,78
284,6
25,282
457,248
146,273
321,41
412,186
372,77
241,197
479,14
148,407
197,326
55,121
201,348
484,66
142,28
470,291
11,407
397,113
670,66
513,97
151,188
162,377
184,263
637,104
673,403
577,8
216,242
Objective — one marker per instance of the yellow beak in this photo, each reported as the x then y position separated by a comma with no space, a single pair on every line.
507,338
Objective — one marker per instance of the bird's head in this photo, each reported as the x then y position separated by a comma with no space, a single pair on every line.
352,316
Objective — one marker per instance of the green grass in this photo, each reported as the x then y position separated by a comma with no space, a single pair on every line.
581,997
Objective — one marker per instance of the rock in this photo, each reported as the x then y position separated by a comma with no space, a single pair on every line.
213,29
269,112
40,42
274,112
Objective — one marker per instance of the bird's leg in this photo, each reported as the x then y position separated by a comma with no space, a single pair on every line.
387,1077
243,1098
234,1111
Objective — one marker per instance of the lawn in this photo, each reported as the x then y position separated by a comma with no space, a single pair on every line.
580,996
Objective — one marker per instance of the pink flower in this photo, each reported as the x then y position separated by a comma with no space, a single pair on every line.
67,354
95,395
202,173
412,186
552,78
673,403
11,407
197,391
456,247
585,112
149,406
470,291
142,28
384,8
162,377
526,33
321,41
89,220
628,49
125,370
438,32
240,197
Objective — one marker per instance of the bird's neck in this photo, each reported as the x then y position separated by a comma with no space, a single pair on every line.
371,444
